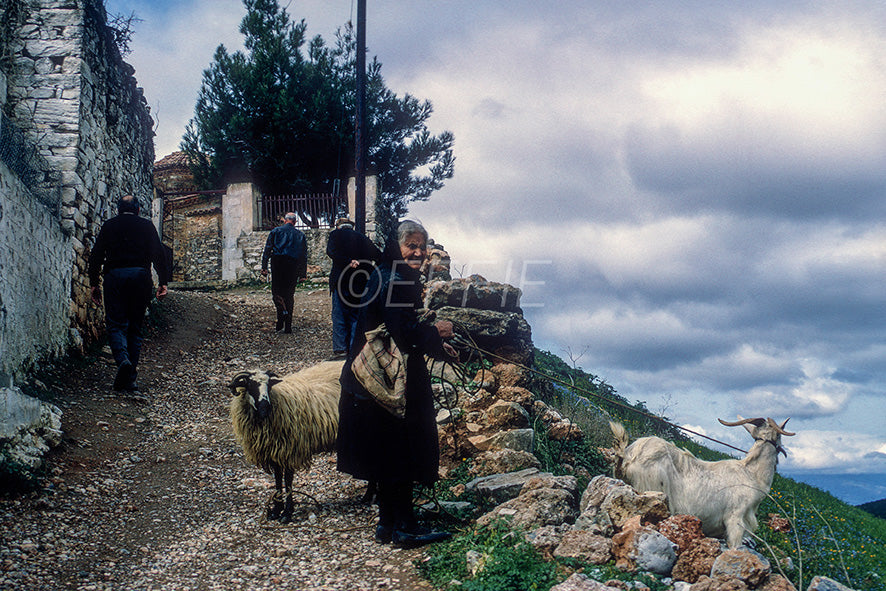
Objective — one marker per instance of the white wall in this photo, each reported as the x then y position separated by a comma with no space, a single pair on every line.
35,279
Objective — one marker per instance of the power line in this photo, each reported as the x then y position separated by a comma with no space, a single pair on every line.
591,394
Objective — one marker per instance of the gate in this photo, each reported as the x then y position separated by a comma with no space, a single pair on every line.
315,210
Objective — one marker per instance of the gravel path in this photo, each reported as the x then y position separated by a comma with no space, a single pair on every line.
155,493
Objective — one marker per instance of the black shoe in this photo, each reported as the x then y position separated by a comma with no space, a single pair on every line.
338,355
418,536
384,534
132,386
124,375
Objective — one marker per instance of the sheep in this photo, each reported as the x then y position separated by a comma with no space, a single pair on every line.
724,495
281,422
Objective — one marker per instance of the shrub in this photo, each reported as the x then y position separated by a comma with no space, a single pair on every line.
508,562
14,477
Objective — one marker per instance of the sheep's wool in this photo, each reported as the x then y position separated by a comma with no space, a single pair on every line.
303,419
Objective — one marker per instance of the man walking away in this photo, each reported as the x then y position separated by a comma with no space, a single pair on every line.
353,256
286,249
124,250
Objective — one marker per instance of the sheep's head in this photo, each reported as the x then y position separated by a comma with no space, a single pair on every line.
256,384
763,430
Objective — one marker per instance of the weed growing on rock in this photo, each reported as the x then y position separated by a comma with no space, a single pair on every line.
491,558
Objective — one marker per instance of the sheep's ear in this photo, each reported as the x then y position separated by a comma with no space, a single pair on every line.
274,380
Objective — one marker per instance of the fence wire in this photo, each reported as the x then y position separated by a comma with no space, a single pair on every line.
25,161
461,343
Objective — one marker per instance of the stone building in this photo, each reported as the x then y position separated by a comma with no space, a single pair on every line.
75,135
172,175
191,221
217,237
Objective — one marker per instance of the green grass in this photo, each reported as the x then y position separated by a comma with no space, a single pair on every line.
829,538
835,540
509,563
576,458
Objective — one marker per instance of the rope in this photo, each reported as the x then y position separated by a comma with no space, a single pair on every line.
461,342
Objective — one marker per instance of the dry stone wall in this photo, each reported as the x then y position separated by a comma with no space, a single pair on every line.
194,229
35,278
115,154
253,244
78,106
198,253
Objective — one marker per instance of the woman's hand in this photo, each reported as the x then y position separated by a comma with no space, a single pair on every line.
444,328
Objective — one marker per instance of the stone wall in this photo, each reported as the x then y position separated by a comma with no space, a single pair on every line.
35,279
253,244
77,103
115,154
317,239
194,229
198,253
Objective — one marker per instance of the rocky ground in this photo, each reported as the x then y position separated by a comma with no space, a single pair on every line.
153,493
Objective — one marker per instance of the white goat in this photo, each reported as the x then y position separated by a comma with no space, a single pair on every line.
724,495
282,422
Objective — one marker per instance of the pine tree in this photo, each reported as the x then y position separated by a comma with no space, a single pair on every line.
286,112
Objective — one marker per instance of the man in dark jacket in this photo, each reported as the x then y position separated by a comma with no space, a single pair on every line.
353,256
124,250
287,251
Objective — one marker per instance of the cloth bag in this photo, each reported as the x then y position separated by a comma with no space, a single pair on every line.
380,367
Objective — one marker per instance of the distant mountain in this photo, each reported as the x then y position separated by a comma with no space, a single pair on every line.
875,508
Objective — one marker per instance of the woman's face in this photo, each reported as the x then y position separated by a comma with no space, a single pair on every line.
413,250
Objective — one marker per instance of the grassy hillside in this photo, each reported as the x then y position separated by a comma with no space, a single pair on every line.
827,537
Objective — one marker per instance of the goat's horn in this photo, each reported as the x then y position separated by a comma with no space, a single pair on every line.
756,422
780,429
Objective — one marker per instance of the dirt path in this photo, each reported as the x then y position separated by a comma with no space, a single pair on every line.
155,494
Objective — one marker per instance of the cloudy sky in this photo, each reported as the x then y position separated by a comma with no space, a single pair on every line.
690,194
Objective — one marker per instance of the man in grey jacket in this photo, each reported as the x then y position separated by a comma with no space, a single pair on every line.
286,249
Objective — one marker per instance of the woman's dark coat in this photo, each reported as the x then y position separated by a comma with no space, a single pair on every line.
373,444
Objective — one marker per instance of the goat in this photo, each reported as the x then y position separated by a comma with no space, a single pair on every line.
724,495
282,422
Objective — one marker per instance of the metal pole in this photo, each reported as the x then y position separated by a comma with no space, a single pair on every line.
360,134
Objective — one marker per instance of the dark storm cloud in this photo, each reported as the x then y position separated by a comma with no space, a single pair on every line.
746,177
694,190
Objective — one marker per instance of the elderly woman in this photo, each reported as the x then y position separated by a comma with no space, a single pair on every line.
373,444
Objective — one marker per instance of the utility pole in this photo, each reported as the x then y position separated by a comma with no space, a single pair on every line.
360,132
